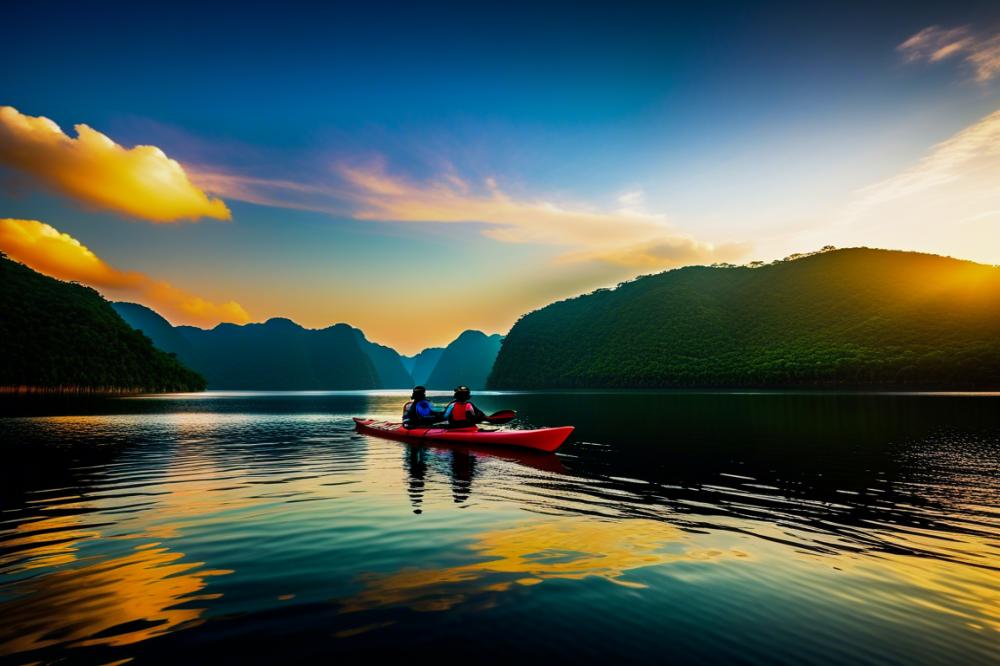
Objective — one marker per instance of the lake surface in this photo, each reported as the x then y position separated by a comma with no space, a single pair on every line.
714,528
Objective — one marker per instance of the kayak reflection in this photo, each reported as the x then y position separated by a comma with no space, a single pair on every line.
416,472
462,465
463,469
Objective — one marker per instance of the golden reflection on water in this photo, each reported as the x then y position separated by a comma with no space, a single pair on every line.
965,587
48,542
116,601
570,548
966,592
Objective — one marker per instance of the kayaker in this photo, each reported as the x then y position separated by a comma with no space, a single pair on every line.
419,411
460,413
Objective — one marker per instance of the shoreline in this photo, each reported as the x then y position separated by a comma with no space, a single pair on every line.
72,389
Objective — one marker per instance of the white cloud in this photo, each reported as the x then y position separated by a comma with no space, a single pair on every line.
971,156
946,203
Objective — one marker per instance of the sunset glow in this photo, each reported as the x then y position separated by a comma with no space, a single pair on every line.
499,184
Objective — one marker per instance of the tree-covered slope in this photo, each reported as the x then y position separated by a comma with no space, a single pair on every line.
57,335
466,360
853,318
279,355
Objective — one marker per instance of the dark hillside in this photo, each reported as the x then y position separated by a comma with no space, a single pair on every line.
63,337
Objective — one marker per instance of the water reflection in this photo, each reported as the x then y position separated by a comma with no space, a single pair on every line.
461,465
49,541
463,470
870,515
530,553
116,601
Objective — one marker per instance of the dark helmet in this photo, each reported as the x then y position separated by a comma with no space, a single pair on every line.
418,392
462,393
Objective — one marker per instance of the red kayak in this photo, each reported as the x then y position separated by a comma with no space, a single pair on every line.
542,439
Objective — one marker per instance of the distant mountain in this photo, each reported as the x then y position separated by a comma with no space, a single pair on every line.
422,365
64,337
387,361
280,355
467,360
851,318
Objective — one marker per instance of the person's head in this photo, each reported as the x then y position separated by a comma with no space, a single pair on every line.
419,393
462,393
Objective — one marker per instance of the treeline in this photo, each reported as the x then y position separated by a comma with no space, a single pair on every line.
63,337
842,318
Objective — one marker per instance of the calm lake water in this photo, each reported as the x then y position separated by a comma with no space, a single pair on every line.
673,527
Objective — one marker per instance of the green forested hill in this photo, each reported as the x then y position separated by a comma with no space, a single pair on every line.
852,318
466,360
57,335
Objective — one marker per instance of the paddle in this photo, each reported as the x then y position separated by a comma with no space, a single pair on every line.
501,417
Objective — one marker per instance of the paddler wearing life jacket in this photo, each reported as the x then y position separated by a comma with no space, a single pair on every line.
419,411
460,413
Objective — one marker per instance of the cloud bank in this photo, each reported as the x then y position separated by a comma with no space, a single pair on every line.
625,236
95,171
981,52
628,236
49,251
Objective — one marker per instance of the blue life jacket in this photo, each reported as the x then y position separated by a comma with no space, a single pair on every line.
412,415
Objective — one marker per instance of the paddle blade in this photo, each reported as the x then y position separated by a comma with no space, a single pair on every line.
503,416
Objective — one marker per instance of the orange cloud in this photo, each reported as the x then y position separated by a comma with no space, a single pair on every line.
94,170
381,196
677,250
269,191
626,236
49,251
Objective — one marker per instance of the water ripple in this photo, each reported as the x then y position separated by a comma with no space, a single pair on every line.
165,524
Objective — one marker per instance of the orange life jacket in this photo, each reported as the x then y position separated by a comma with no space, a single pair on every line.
460,411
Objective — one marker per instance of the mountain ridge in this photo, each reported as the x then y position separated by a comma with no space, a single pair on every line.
857,317
199,347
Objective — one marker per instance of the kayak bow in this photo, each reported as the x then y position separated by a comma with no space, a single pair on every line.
542,439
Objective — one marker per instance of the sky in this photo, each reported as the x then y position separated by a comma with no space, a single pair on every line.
420,170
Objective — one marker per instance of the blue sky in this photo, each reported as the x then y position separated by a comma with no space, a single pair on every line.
348,143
